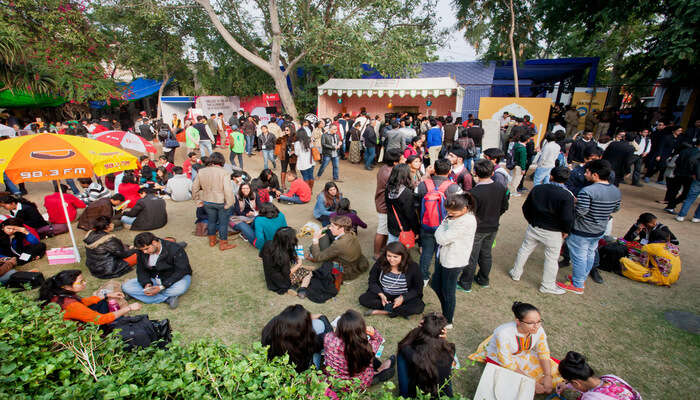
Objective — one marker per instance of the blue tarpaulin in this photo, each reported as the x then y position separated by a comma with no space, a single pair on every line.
140,88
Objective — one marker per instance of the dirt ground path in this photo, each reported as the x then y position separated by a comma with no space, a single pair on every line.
618,325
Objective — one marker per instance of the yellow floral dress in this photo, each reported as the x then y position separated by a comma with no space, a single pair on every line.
657,263
513,350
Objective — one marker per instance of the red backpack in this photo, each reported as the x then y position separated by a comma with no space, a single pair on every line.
432,209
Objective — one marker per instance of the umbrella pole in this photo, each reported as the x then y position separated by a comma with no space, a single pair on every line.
68,222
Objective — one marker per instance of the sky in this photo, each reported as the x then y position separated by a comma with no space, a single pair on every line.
456,49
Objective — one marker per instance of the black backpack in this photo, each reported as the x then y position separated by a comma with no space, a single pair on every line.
139,331
21,278
610,255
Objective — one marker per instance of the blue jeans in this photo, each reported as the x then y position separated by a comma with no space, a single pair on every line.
369,156
307,174
428,251
294,199
541,175
246,231
444,283
233,155
269,155
690,199
6,276
326,160
205,145
402,375
128,220
249,140
468,164
217,219
133,288
9,185
582,251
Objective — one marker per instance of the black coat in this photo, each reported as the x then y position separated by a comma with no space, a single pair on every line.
104,255
550,207
30,215
403,204
150,214
414,281
276,276
171,266
620,155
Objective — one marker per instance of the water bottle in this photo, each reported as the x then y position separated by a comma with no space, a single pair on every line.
113,305
300,251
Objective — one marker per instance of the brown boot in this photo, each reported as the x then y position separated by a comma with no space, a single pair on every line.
200,229
212,240
311,184
225,245
283,180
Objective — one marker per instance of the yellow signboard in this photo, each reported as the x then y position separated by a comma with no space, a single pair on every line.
536,107
586,100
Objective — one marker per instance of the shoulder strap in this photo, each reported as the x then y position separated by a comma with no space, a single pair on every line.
429,185
444,185
397,219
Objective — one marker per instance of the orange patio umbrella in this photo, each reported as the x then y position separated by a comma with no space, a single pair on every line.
49,157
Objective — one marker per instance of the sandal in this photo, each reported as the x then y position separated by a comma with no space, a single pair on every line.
386,374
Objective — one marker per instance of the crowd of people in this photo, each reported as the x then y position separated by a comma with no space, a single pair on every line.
437,189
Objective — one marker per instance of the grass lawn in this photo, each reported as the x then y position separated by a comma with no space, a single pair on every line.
619,325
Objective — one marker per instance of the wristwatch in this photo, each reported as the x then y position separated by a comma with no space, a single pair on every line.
161,287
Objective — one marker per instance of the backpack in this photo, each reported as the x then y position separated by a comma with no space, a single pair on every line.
139,331
21,278
510,160
263,195
432,208
610,255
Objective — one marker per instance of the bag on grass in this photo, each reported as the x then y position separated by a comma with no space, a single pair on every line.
21,278
139,331
610,256
432,209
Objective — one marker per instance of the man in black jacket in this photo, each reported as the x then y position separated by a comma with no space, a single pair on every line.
620,155
491,202
163,271
682,177
148,213
549,211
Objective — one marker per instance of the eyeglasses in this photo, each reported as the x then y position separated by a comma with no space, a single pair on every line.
540,322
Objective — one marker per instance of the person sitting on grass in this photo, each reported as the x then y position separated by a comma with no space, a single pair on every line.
147,214
129,189
297,333
327,202
284,272
105,255
63,289
521,346
243,212
163,271
27,212
395,284
646,224
179,187
53,204
266,224
350,352
102,207
344,209
299,191
93,190
425,359
579,376
658,261
345,248
21,241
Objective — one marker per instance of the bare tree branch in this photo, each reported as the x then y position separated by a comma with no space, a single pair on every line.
291,65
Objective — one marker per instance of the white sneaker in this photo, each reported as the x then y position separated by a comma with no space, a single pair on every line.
449,326
515,194
680,219
513,276
554,290
425,282
695,220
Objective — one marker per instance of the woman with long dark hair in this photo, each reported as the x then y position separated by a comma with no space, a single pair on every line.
350,354
417,170
105,255
327,203
243,211
284,272
400,210
20,241
425,359
395,284
581,378
285,152
305,159
63,289
299,334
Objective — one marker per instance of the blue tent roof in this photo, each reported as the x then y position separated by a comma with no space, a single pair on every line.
466,73
546,70
140,88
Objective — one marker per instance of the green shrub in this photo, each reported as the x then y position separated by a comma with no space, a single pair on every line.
45,357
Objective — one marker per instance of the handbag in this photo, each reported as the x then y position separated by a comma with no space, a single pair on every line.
19,279
171,142
498,383
407,238
315,154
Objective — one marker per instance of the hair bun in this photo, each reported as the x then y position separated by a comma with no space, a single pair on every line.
515,306
575,358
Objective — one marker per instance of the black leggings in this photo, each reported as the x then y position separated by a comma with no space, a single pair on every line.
409,307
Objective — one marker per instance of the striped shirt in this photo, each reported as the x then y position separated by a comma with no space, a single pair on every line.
393,284
594,205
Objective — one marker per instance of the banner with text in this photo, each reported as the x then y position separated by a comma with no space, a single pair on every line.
216,104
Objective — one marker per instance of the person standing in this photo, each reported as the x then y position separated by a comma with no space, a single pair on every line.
206,137
433,140
305,159
594,206
267,143
692,194
330,145
571,117
519,163
395,138
491,202
450,132
391,158
213,188
369,137
547,159
236,143
580,146
642,151
455,238
191,137
620,155
549,211
213,125
682,177
249,132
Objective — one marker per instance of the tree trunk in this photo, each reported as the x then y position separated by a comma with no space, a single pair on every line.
512,50
166,77
285,94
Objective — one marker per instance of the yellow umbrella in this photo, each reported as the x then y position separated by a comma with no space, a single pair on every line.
49,157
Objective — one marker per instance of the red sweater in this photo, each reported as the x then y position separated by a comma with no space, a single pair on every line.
130,192
53,206
300,188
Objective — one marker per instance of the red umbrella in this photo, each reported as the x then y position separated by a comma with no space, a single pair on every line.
125,140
